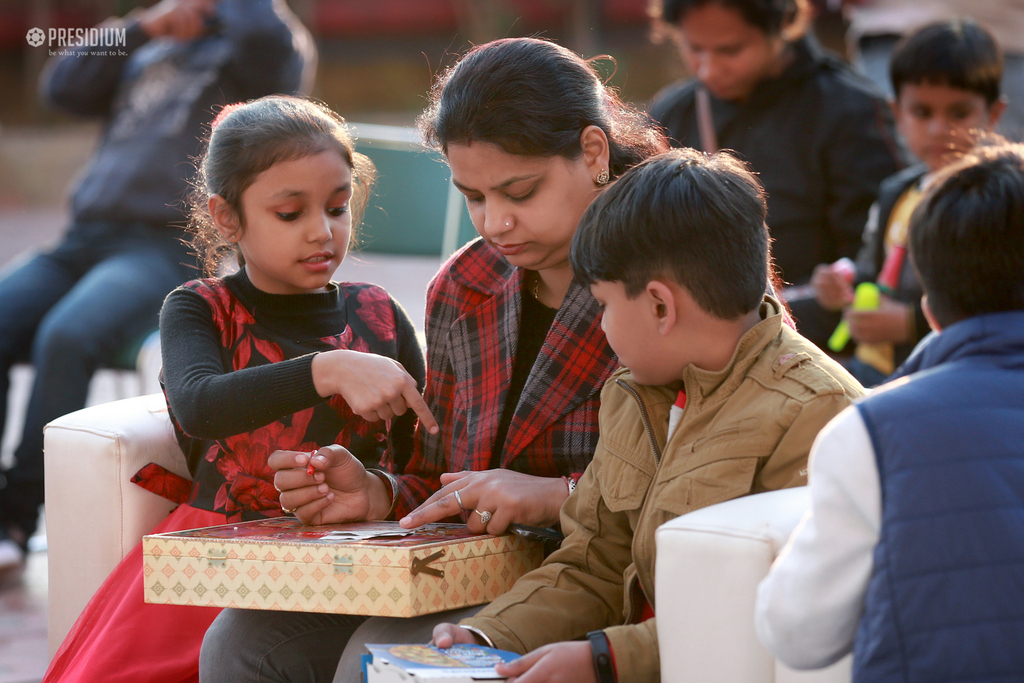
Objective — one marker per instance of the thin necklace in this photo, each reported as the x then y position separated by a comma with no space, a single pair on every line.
535,286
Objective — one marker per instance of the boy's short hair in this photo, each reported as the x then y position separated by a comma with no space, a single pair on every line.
967,235
684,215
958,53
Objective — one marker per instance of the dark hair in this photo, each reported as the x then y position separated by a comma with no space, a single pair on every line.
249,138
957,53
967,235
696,218
773,17
533,98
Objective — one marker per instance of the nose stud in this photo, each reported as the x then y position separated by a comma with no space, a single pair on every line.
508,224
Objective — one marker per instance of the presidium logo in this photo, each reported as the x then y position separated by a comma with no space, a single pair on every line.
79,38
35,37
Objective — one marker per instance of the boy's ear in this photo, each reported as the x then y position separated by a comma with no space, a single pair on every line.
594,144
224,218
927,310
995,112
663,303
894,107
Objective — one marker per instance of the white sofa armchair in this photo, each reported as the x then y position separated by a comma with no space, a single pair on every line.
94,514
709,561
709,565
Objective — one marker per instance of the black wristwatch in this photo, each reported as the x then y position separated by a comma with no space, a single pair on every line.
602,654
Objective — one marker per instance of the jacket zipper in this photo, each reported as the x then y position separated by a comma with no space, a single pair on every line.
657,461
645,418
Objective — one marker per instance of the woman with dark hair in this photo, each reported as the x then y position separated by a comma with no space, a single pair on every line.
818,135
515,352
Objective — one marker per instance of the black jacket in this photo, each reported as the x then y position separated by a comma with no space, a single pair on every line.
872,254
821,140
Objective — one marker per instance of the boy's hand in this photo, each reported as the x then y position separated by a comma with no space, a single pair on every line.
374,387
889,323
446,635
181,19
510,497
569,662
832,288
339,490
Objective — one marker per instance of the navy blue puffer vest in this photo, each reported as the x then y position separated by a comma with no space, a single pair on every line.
946,598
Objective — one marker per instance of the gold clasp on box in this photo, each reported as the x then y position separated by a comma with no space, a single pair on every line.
422,566
217,557
343,564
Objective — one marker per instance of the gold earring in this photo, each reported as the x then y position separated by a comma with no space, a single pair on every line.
602,178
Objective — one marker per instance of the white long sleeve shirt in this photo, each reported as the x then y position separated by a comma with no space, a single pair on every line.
809,605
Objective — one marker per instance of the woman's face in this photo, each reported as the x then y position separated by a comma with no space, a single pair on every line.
525,207
727,54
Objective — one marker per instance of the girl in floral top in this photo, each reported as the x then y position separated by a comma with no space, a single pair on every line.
276,356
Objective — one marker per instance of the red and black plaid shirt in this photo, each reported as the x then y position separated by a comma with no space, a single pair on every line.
474,305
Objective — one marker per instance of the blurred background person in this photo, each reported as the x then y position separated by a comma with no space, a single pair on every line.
946,78
816,132
875,26
73,307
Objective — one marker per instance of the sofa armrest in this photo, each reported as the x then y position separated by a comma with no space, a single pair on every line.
94,514
709,564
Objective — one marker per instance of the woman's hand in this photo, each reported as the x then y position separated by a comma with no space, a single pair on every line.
374,387
889,323
339,490
510,497
554,663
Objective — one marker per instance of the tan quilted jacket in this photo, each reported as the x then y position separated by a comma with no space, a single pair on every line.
745,429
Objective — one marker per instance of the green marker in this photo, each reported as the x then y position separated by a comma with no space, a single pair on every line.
866,297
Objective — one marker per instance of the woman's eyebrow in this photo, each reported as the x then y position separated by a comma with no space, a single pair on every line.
501,186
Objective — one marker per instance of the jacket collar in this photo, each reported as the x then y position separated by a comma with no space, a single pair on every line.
707,386
999,336
715,386
571,367
480,267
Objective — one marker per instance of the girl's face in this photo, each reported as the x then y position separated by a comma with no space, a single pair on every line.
525,207
727,54
297,223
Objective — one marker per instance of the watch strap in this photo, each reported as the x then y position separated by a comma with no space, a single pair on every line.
601,652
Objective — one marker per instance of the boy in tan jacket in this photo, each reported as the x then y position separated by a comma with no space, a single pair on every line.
719,398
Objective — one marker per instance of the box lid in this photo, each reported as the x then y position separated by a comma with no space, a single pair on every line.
340,545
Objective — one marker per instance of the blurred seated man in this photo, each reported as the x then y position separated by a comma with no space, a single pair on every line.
74,306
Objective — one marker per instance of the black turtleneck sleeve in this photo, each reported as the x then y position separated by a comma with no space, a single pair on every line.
210,403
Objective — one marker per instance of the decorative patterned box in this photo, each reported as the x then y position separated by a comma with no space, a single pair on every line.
371,568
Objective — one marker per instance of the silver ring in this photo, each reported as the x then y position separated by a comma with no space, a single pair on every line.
458,499
484,516
287,511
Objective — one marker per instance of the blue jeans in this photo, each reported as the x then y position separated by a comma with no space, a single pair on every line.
70,310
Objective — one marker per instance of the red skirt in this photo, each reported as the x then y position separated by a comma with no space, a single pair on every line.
121,638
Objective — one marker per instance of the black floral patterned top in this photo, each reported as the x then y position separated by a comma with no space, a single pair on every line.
238,381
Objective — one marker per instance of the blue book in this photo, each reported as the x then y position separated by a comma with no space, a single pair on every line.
457,664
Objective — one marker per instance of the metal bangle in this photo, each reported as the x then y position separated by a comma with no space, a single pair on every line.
391,482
